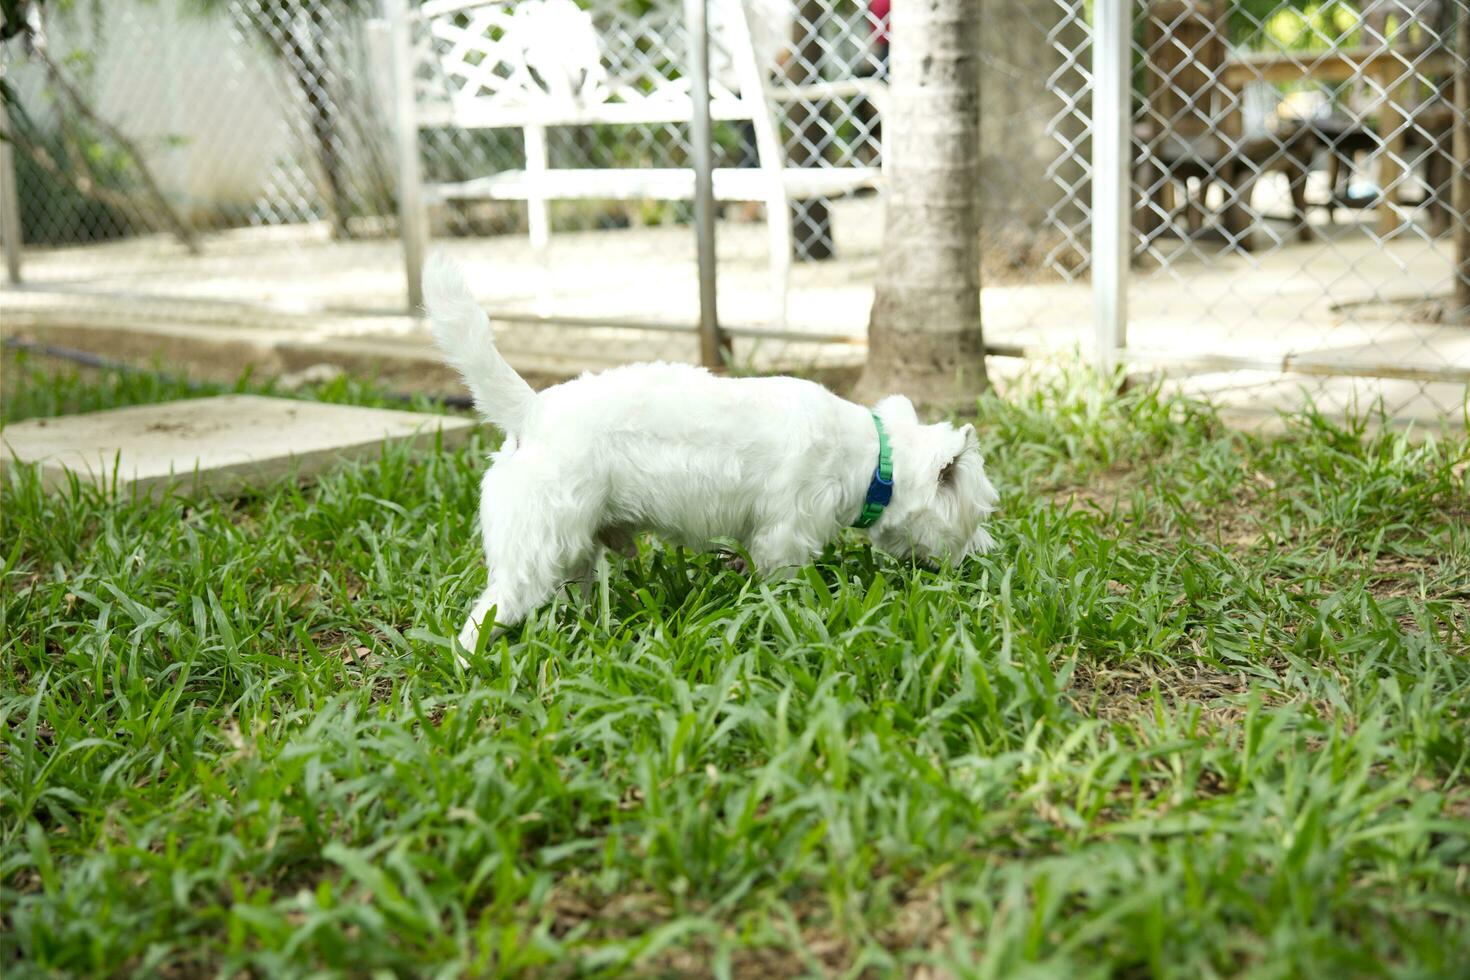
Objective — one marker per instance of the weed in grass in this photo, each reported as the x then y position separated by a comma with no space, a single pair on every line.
1203,713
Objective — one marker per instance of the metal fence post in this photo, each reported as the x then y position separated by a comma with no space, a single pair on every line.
9,202
412,226
1112,45
714,345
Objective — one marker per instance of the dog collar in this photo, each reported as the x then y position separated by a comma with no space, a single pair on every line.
880,488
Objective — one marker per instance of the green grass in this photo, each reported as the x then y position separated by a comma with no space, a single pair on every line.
1206,712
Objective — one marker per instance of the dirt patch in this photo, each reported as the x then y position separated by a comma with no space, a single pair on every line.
1398,576
1119,693
1231,523
1104,491
816,945
1411,309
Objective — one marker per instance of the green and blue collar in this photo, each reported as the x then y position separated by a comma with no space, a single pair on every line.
880,488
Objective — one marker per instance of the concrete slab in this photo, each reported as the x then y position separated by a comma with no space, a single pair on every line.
223,444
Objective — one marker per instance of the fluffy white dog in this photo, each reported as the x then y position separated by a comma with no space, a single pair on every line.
778,464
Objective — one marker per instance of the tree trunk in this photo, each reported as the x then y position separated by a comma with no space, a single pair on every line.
924,337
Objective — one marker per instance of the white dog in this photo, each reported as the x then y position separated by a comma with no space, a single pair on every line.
778,464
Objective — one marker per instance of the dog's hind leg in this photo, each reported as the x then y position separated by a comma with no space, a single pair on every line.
534,545
516,592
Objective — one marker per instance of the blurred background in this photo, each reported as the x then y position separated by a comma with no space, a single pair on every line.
227,182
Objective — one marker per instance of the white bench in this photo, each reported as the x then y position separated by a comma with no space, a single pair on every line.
535,64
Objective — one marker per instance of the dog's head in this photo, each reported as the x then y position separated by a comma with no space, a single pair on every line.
941,496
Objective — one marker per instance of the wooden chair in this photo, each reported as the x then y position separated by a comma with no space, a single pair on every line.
1407,29
1191,130
535,64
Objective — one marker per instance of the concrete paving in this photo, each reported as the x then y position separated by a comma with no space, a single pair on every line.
287,299
224,444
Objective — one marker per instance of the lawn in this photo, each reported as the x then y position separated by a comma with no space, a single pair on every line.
1205,712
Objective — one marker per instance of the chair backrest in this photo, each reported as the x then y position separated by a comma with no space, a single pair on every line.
512,63
1184,52
1404,25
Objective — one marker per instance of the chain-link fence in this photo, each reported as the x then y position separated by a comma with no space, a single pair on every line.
257,165
1294,201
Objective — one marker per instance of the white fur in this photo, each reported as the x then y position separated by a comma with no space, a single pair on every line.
778,464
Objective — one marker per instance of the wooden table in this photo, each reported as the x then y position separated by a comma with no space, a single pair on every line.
1394,69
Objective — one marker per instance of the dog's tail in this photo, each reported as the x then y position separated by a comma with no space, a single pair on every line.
462,331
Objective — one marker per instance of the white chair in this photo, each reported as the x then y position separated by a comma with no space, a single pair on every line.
534,64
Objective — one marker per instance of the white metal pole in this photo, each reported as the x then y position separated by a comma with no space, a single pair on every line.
412,226
1112,47
9,202
714,346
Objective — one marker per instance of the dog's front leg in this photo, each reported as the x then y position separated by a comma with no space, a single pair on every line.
538,537
779,551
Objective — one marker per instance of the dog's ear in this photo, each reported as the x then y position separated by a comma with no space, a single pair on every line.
962,440
898,408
